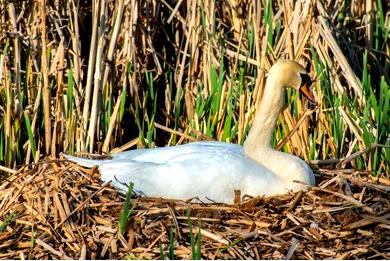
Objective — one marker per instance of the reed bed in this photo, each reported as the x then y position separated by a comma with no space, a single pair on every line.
58,210
106,76
94,76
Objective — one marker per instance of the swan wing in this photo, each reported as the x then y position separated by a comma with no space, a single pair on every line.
161,154
164,154
208,171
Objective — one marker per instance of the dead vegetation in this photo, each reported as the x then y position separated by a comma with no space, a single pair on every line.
104,76
57,210
91,76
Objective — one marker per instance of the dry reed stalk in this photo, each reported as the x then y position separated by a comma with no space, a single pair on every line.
58,114
17,58
174,132
369,23
76,46
126,146
8,170
281,143
326,33
45,77
181,67
195,50
91,70
93,128
352,125
111,126
7,127
113,42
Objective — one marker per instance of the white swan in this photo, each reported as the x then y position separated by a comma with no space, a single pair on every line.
211,171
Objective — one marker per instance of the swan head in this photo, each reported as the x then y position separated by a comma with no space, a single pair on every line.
291,74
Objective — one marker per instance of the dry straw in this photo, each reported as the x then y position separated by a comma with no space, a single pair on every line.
106,76
91,76
59,210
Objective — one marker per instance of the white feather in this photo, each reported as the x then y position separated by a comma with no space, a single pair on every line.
210,171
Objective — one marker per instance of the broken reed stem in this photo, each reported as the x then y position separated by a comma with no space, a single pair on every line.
162,127
8,170
44,71
83,203
306,113
52,250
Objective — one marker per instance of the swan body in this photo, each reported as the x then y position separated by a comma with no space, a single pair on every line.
211,171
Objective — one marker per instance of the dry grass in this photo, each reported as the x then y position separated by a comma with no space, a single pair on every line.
57,210
91,76
105,76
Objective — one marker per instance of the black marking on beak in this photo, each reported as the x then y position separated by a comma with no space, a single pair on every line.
306,90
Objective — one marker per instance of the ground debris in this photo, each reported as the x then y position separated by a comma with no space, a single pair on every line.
59,210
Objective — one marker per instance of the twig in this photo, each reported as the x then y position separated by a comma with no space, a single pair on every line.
293,247
291,133
159,126
83,203
358,153
174,221
52,250
295,201
350,199
8,170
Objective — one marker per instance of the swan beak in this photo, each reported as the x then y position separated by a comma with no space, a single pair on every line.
308,94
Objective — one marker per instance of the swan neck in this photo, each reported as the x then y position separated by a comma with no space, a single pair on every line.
260,135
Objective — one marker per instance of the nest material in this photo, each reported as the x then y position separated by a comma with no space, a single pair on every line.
58,210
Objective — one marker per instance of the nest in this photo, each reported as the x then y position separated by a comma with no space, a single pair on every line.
58,210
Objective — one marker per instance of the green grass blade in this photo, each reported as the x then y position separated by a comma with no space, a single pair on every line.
199,244
30,134
191,235
127,210
8,219
171,244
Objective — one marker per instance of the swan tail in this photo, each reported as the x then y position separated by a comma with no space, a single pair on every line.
89,163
